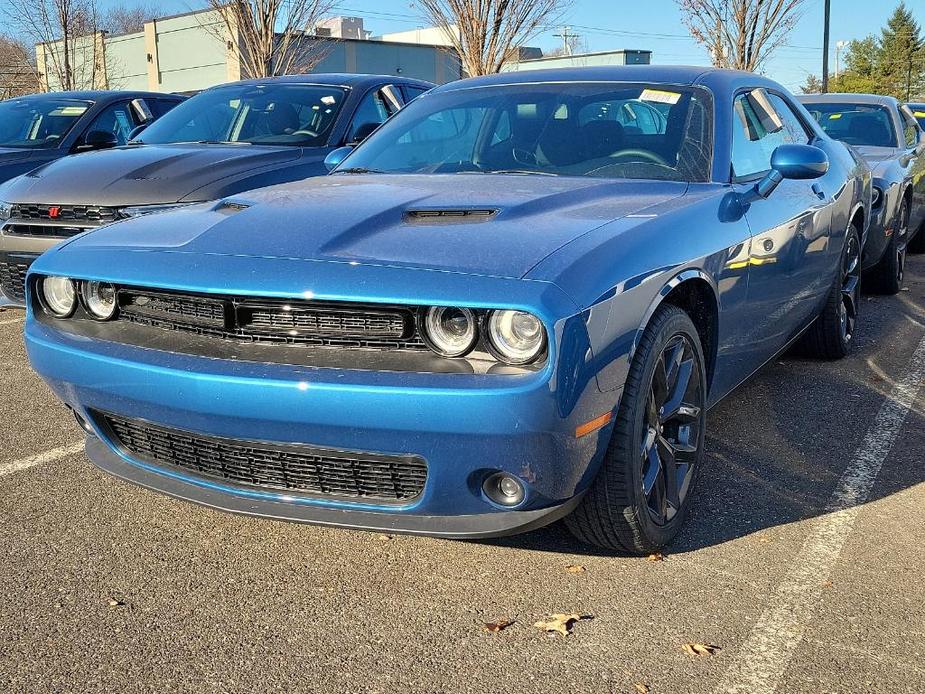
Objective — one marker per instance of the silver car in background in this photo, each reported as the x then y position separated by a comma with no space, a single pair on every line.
886,134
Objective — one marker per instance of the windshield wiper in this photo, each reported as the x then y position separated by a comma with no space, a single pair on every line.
359,170
522,172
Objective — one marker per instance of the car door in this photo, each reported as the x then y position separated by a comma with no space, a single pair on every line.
789,263
914,142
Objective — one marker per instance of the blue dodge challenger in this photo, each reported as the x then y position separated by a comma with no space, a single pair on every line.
514,303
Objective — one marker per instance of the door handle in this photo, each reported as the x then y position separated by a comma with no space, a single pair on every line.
817,189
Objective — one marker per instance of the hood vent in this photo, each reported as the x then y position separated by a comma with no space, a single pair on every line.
449,215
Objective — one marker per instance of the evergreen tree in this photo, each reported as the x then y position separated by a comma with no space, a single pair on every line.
902,55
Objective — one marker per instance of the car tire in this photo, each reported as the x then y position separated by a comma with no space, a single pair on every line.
886,277
832,334
917,243
631,506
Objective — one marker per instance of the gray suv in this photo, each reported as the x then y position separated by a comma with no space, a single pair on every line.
225,140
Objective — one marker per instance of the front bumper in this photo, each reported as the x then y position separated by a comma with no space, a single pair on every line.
465,426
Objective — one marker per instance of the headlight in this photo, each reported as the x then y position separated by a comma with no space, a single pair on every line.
142,210
516,337
450,331
876,195
58,295
100,299
6,211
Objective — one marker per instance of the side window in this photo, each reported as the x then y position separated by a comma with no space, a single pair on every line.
910,129
412,93
375,109
761,122
117,119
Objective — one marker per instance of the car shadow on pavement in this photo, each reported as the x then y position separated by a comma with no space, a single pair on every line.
777,447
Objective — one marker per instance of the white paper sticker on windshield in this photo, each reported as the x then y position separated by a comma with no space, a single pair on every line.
659,96
328,100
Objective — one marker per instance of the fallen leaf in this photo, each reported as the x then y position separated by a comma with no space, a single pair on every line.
762,538
642,688
699,649
560,623
826,584
385,537
500,625
656,556
575,569
115,603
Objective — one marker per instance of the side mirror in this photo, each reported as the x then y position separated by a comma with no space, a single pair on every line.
335,157
137,131
795,162
363,132
98,139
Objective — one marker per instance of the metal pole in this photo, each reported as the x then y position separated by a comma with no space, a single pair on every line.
825,48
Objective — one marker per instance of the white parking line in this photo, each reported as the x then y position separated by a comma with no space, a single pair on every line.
12,320
40,458
763,658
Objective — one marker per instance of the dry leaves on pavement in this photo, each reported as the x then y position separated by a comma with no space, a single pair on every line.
575,569
561,623
700,649
499,625
642,688
656,556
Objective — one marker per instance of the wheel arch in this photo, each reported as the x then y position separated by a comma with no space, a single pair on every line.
694,292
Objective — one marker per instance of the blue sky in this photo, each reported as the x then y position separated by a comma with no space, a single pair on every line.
656,25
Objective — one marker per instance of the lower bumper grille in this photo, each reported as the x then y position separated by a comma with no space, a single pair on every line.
13,276
292,468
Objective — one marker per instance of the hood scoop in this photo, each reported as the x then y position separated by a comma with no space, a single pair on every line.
449,215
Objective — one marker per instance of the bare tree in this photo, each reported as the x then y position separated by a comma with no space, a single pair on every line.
741,34
271,37
486,33
66,35
18,75
127,19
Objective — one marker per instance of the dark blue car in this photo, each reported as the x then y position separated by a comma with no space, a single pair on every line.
515,302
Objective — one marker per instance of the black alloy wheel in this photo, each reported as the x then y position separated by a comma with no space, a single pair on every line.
671,436
850,288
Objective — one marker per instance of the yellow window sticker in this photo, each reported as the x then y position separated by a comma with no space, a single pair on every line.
69,111
919,114
659,96
834,116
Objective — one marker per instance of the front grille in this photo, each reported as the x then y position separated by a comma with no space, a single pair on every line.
291,468
13,276
289,322
57,221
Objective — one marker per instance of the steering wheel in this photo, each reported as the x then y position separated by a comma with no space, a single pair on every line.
310,133
640,153
523,156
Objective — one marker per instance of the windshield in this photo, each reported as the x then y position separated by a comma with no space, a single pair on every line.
273,114
38,122
563,129
918,110
856,124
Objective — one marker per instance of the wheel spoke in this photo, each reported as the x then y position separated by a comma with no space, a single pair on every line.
670,472
678,391
653,471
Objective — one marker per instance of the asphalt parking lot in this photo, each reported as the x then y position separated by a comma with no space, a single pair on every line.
802,563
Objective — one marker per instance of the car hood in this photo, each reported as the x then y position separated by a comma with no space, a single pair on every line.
499,225
142,174
10,155
874,156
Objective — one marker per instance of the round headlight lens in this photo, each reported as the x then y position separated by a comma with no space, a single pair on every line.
450,331
517,337
876,194
100,299
59,296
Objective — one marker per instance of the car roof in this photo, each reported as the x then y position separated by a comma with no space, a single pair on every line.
101,95
837,98
333,79
716,79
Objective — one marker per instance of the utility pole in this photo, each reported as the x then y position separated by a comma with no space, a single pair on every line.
825,47
567,37
838,46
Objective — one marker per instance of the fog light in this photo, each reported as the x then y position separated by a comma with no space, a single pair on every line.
504,489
